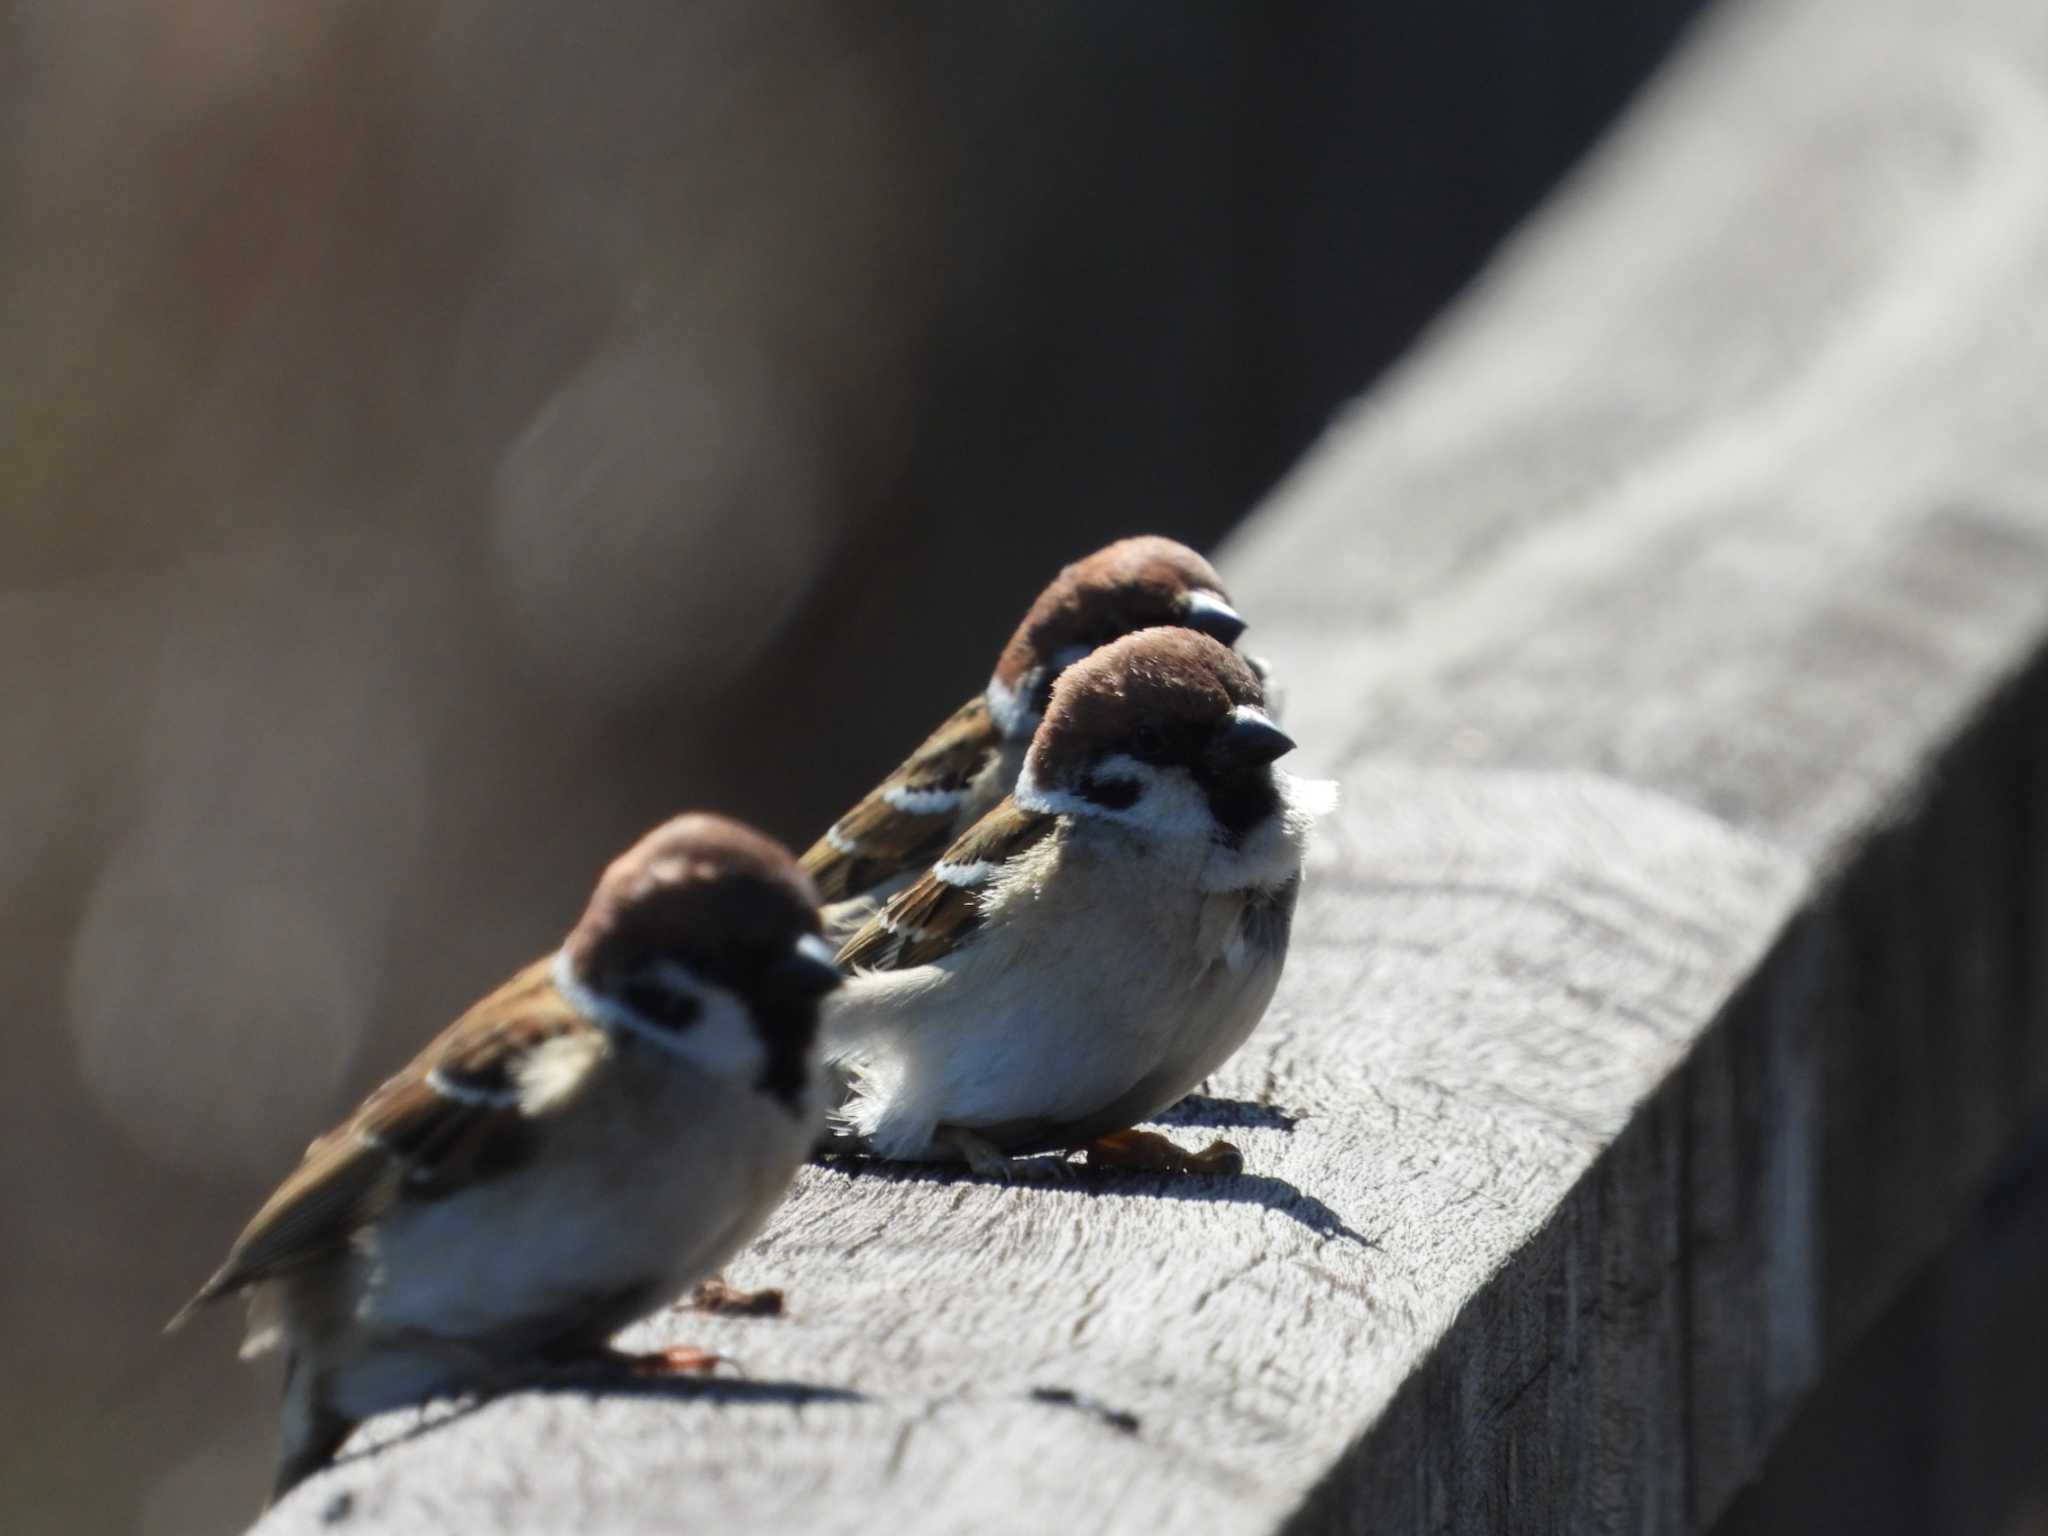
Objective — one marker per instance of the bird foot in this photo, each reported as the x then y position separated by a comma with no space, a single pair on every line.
610,1365
1150,1152
991,1162
676,1360
722,1300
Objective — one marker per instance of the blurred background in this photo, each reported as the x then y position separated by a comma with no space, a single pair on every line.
440,438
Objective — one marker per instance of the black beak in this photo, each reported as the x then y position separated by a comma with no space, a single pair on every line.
1214,617
808,970
1250,740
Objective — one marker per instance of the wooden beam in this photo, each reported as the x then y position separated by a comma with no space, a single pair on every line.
1669,983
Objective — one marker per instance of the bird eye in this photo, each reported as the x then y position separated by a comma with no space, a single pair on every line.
1148,742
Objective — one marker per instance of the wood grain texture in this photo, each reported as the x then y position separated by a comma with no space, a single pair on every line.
1668,983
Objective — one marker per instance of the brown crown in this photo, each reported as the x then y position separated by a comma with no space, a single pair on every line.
704,890
1160,677
1130,585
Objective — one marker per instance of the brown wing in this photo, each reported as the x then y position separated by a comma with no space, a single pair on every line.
449,1120
930,918
911,816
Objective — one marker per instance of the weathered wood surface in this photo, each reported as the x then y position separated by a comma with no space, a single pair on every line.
1670,980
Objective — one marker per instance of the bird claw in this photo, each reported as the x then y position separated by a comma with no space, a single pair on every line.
1039,1170
608,1365
722,1300
677,1360
988,1161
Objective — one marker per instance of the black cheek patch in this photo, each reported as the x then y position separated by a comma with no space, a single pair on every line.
1112,794
665,1006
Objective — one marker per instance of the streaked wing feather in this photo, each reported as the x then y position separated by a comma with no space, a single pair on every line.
882,837
929,919
449,1120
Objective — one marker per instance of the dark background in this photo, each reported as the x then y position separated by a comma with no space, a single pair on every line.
439,438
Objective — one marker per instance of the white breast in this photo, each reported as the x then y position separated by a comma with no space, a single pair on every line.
1104,970
656,1178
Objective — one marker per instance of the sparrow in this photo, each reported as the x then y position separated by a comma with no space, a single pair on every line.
972,760
1099,942
606,1128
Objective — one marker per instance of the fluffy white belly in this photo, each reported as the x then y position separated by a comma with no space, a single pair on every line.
571,1229
1130,1003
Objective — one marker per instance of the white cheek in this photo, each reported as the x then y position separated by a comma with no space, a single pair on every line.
1034,796
1010,708
1170,804
721,1040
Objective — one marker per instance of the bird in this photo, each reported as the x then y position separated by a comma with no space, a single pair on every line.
609,1126
1098,943
971,761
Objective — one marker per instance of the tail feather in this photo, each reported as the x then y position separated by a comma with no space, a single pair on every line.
229,1280
313,1429
209,1292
